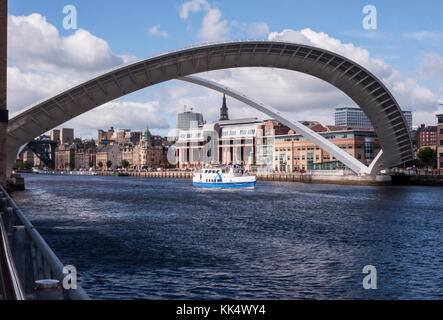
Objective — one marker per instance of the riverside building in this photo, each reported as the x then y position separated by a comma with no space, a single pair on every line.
355,117
225,141
440,142
293,152
269,145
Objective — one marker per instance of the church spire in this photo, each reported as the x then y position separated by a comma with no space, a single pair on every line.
224,110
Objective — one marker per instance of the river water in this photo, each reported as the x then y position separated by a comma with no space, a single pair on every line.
135,238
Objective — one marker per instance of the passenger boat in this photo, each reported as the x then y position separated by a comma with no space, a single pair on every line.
232,176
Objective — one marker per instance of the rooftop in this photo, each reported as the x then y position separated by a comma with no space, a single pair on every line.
239,121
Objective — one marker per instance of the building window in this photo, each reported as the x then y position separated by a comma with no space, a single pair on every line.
369,149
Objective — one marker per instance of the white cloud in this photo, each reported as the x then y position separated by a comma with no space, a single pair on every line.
121,115
301,96
25,88
193,6
408,92
42,63
429,118
34,44
213,28
432,64
369,34
258,30
39,55
155,31
422,35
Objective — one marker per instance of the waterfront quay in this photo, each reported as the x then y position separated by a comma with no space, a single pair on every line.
278,177
325,177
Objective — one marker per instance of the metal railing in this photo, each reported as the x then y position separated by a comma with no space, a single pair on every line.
33,258
339,172
10,287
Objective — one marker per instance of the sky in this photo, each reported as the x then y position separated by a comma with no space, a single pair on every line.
44,57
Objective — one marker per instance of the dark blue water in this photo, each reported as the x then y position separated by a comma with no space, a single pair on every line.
162,239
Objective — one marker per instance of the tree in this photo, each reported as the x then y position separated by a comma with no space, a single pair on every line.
125,164
100,164
91,164
108,164
23,165
427,157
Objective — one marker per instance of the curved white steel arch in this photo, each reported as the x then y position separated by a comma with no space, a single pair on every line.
358,83
325,144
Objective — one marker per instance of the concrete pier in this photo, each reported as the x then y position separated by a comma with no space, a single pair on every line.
159,175
329,179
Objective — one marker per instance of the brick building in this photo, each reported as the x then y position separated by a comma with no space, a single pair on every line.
293,152
65,157
107,153
85,154
426,136
440,142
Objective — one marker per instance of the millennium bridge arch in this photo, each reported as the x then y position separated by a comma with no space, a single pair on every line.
368,92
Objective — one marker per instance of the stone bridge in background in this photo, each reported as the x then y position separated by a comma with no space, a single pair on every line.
368,92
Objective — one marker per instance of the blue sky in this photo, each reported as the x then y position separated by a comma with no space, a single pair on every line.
409,34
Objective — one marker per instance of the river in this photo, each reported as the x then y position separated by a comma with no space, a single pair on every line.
132,238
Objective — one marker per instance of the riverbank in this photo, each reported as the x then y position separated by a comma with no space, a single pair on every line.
320,178
278,177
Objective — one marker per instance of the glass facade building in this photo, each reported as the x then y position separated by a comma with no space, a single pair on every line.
188,120
355,117
348,117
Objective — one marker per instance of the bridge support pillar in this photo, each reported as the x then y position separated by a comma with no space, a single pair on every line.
3,72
